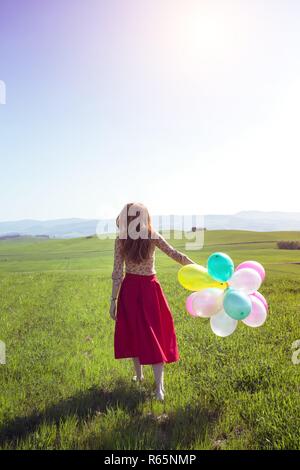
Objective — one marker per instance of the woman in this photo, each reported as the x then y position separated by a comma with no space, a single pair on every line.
144,328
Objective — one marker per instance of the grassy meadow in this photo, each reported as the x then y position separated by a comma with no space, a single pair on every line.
61,387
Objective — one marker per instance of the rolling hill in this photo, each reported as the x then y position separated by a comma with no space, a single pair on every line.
76,227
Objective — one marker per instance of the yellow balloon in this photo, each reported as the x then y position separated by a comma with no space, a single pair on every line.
195,277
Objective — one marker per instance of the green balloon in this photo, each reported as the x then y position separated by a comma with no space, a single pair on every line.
237,304
220,266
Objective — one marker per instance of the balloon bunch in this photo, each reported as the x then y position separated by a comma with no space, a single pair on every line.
224,294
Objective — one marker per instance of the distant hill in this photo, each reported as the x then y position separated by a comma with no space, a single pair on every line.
73,228
10,236
255,220
13,236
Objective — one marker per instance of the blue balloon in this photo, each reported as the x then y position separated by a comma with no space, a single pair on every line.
237,304
220,266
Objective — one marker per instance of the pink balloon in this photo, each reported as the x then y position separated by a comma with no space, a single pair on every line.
247,280
208,302
259,296
258,314
189,304
253,265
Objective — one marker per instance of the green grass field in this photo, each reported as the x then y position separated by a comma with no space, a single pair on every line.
62,389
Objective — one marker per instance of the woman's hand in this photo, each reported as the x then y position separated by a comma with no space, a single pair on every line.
113,309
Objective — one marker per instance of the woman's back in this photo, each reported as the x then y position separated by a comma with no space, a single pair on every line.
147,266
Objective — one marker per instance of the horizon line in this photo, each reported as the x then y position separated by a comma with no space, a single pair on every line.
154,215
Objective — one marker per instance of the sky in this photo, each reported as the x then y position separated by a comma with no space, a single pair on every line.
189,106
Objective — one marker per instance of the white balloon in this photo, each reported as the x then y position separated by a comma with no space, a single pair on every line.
258,314
246,280
222,324
208,302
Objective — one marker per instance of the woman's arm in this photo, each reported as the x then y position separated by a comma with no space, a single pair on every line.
117,276
164,246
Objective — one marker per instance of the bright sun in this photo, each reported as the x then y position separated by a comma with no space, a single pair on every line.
208,33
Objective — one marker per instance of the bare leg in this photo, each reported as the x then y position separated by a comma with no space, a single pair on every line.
138,369
158,370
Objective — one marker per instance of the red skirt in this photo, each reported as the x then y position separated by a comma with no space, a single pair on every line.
144,324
